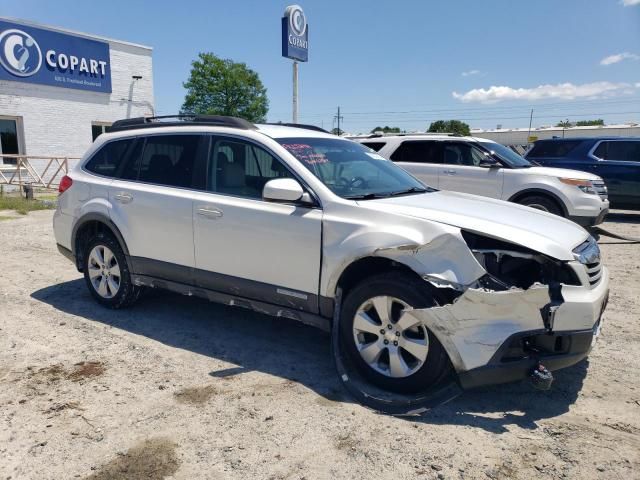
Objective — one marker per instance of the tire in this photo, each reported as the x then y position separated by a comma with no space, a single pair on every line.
540,202
361,335
106,273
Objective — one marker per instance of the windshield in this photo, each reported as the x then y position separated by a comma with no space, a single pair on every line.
507,155
352,170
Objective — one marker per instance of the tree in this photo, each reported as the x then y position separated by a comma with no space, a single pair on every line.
564,124
337,131
450,126
386,129
219,86
590,123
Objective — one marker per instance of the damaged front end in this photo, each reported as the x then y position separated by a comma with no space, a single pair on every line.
500,327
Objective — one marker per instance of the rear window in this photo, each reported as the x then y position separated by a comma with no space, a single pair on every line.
624,150
107,160
555,148
165,160
418,152
374,145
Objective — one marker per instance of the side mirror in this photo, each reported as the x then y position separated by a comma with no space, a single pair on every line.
282,190
489,162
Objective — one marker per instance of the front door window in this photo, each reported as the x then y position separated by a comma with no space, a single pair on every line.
9,140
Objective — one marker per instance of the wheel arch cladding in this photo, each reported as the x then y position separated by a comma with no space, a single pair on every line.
515,198
88,226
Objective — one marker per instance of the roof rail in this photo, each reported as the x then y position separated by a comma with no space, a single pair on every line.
407,134
297,125
181,120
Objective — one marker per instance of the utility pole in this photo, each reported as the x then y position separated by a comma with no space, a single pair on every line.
530,120
338,117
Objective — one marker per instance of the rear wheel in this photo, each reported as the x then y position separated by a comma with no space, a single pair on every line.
392,348
540,202
106,273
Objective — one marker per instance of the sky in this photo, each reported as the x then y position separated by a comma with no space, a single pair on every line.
397,63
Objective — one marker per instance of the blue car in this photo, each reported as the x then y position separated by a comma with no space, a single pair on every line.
615,159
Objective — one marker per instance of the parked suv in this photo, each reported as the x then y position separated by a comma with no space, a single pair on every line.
483,167
615,159
294,222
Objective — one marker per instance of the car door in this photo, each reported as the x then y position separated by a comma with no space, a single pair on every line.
247,246
421,158
152,205
461,171
618,163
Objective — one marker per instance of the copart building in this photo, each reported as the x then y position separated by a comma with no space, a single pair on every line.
59,89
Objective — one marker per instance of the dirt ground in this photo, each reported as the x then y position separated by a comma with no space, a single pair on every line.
176,387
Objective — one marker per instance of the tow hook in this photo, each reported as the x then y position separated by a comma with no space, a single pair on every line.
540,377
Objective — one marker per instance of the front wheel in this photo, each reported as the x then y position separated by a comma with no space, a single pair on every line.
106,273
389,346
543,203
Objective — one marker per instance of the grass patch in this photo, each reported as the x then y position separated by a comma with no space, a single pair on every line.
4,217
23,206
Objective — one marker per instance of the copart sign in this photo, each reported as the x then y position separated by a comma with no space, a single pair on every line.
295,34
36,55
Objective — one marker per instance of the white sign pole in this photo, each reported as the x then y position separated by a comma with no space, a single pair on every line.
295,92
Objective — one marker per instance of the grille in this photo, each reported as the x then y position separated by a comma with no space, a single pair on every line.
594,272
601,189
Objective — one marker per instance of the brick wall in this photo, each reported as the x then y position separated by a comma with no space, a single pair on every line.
57,121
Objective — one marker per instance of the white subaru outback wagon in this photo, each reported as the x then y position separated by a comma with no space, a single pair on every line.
292,221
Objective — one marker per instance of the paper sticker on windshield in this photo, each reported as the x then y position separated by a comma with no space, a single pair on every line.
305,153
375,156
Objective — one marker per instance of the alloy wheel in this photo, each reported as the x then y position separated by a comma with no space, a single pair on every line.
104,271
389,339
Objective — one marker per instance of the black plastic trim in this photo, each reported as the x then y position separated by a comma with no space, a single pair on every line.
91,217
496,372
234,300
225,284
589,221
540,191
66,253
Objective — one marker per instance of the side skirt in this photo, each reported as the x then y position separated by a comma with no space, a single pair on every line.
226,299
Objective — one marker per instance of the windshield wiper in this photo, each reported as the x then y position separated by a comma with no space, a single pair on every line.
367,196
408,190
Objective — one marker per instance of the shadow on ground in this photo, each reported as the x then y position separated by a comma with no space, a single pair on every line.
620,216
299,353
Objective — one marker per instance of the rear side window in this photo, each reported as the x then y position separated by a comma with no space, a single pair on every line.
418,152
108,159
556,148
628,151
164,160
376,146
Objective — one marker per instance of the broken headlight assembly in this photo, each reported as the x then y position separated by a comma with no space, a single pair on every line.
509,265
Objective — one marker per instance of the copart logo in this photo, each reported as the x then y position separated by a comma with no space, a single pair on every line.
19,53
297,20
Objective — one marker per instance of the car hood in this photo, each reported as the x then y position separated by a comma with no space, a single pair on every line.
539,231
562,173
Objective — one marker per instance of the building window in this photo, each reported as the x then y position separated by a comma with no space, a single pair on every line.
9,141
98,128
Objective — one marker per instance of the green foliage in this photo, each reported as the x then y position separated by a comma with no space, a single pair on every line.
450,126
564,124
219,86
386,129
23,206
590,123
336,131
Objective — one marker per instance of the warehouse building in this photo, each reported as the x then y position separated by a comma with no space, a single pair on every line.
520,137
60,89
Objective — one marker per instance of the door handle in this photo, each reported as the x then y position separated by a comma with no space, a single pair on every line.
209,212
124,197
450,172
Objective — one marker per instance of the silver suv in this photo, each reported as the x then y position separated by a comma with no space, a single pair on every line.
294,222
484,167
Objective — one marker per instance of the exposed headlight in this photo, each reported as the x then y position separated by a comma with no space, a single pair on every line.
585,185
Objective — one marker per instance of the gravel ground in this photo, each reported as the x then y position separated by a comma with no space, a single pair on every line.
176,387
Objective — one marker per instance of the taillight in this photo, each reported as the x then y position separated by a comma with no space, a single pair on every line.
65,184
